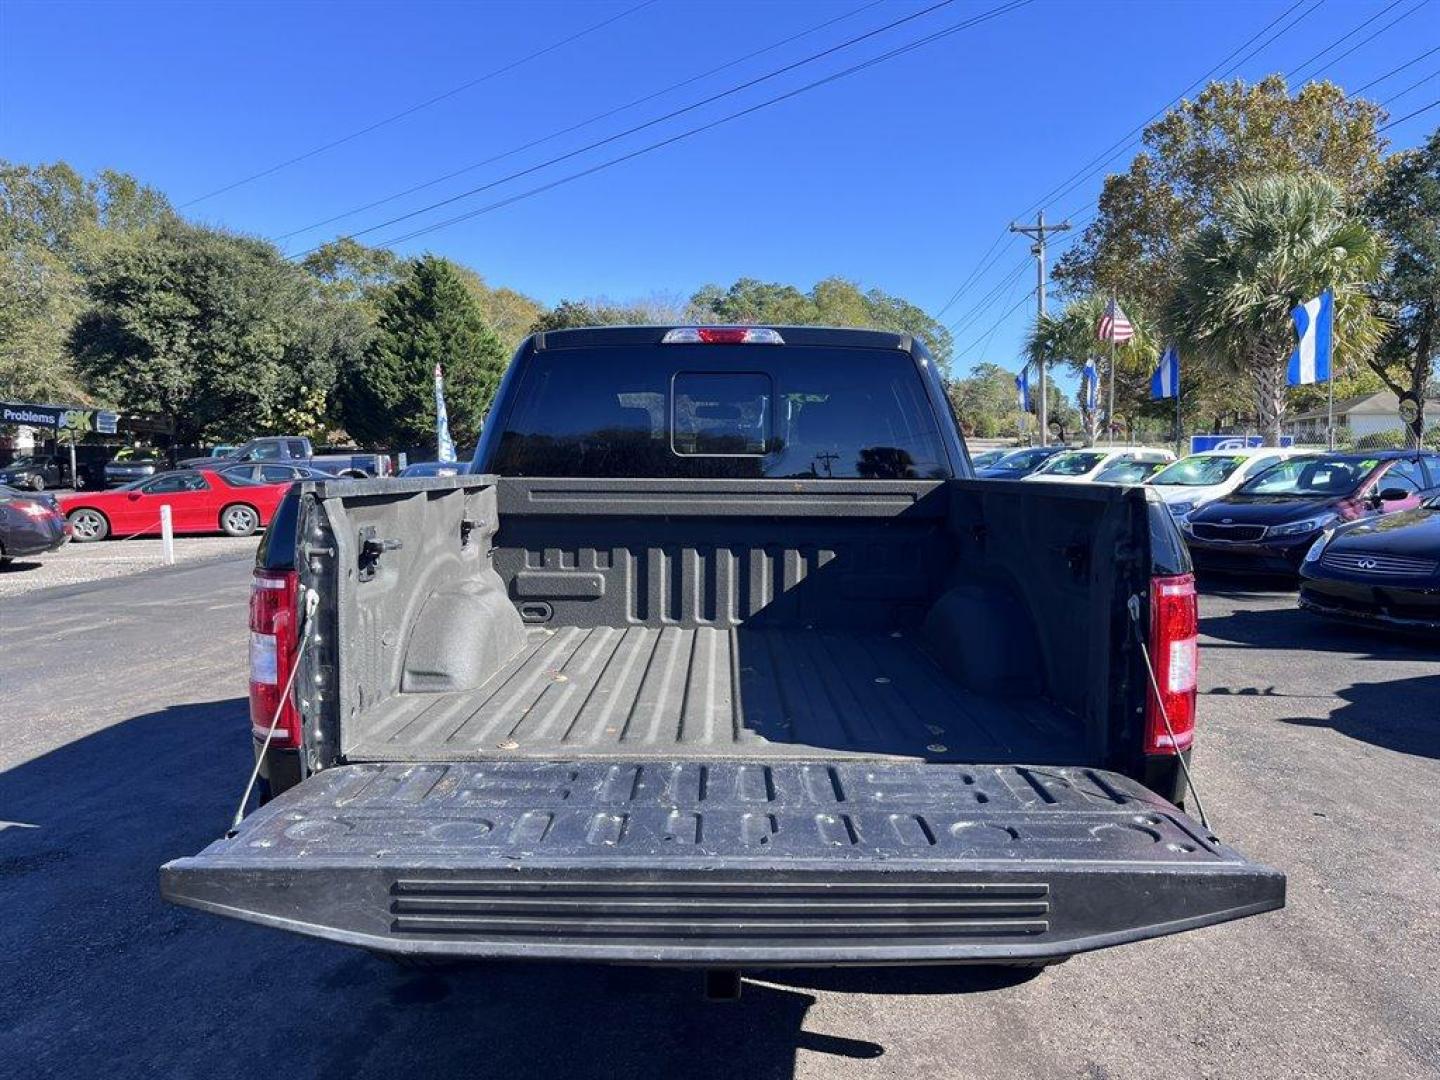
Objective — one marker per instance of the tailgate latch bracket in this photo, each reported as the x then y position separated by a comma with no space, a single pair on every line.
371,548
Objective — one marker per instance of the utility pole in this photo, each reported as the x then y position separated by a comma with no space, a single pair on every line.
1038,232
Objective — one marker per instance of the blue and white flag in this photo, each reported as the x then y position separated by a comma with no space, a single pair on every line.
1090,386
444,445
1022,389
1165,383
1315,323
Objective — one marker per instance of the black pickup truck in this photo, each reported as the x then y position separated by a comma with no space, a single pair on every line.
721,657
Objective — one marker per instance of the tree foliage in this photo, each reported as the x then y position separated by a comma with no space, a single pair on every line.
1274,244
1405,209
429,317
54,226
569,314
216,331
1190,157
832,302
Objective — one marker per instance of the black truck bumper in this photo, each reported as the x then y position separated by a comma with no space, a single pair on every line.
724,864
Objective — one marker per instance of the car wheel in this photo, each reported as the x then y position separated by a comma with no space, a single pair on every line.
37,483
239,520
354,474
88,525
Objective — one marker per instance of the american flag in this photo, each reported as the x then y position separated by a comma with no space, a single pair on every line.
1115,325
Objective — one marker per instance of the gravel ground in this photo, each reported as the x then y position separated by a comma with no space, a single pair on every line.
123,743
76,564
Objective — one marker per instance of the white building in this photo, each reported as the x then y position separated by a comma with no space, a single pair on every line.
1365,415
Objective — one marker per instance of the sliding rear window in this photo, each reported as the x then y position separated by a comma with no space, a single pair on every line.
740,412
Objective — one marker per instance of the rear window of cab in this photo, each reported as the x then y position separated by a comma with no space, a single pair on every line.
720,411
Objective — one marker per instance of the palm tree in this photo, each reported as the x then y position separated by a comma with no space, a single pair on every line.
1275,243
1070,338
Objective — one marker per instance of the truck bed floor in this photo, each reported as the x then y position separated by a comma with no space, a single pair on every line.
750,692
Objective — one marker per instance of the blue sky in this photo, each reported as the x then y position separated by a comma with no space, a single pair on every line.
901,176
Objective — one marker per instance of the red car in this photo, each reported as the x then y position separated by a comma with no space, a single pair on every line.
200,501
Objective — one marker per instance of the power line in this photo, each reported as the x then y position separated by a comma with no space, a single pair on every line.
1345,37
1413,86
582,124
966,283
1396,70
1128,139
1329,64
1410,116
1005,315
981,306
1107,155
749,83
955,28
822,54
393,117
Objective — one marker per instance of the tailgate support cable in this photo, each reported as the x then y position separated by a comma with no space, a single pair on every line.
312,601
1133,605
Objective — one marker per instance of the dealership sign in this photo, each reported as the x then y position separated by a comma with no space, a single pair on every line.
59,417
1232,442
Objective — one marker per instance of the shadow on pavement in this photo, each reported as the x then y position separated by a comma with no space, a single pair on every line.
19,565
99,975
1400,714
1293,629
1239,586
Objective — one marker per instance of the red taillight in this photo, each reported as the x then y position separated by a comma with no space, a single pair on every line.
1174,653
722,335
274,622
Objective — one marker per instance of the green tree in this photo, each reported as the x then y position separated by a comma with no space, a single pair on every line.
351,272
832,302
1191,156
216,331
429,317
1405,208
1275,243
984,401
54,227
570,314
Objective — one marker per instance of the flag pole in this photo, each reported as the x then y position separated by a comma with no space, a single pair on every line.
1110,409
1178,451
1330,408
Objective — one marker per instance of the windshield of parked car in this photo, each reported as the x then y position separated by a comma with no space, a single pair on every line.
988,458
1126,472
1022,461
25,461
238,478
138,454
1311,477
1199,470
1073,463
721,411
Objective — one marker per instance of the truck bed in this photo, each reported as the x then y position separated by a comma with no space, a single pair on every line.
746,692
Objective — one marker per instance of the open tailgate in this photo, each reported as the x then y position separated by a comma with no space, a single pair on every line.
724,864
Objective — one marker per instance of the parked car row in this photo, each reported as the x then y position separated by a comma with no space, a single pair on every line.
1361,530
1269,522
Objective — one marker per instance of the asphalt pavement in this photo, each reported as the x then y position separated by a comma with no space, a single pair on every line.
76,564
123,743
